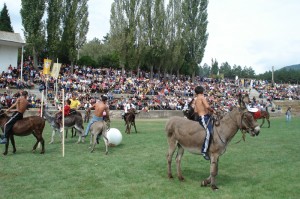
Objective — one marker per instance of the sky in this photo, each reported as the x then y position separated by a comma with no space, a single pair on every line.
256,33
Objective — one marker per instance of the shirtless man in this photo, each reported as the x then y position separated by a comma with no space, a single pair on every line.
21,106
100,108
202,108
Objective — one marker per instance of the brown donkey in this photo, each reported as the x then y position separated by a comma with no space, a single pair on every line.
28,125
188,135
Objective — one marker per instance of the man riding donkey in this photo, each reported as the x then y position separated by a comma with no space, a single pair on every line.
74,103
203,110
66,112
21,106
101,110
129,105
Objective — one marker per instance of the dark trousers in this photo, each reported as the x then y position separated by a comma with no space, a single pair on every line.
10,123
207,125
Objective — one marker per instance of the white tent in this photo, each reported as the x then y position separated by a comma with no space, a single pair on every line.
9,45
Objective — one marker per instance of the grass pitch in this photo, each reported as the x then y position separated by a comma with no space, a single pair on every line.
266,166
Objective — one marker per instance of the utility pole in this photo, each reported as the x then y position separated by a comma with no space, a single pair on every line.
272,76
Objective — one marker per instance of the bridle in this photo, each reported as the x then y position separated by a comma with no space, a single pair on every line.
243,120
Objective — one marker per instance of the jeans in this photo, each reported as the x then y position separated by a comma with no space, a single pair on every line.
94,119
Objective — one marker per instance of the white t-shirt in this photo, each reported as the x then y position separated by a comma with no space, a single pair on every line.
128,106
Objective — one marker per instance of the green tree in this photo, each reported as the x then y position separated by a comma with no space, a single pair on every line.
214,67
70,24
195,31
225,69
5,23
32,12
82,25
153,33
205,70
123,31
175,51
53,27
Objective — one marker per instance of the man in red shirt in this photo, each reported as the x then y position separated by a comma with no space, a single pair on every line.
66,112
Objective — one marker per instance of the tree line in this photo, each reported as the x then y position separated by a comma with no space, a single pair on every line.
145,35
52,28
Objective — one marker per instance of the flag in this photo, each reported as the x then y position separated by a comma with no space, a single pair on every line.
47,64
55,70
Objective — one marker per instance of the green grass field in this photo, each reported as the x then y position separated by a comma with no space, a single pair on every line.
266,166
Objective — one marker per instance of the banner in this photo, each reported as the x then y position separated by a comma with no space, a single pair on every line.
55,70
47,64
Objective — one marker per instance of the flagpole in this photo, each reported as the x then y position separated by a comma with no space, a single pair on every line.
42,102
56,86
63,122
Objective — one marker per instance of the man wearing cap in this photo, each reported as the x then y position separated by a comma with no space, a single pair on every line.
99,107
21,106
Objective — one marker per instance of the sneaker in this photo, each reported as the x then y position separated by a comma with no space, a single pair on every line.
206,156
4,141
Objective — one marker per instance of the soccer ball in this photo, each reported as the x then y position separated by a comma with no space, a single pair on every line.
114,137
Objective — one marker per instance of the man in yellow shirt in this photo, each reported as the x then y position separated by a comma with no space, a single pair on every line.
75,103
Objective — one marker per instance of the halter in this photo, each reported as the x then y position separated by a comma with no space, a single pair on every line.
242,117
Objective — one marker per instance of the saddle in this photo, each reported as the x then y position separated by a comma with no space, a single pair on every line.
72,111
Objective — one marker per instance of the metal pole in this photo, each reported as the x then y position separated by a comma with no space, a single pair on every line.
63,123
22,59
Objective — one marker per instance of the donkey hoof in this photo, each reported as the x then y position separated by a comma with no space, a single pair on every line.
106,152
214,187
204,183
181,178
5,153
42,152
170,176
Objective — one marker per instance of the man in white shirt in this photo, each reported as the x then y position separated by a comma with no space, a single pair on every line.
129,105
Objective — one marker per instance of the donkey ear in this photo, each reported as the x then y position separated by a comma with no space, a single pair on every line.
242,102
240,99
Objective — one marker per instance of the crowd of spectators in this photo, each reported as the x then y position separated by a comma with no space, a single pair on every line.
159,93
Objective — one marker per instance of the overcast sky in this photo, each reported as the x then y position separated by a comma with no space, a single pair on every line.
256,33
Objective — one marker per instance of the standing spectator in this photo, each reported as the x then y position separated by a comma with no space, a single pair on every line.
288,114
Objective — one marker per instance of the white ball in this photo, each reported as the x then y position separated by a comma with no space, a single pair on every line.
114,136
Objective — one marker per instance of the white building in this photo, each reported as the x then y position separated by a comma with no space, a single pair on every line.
9,45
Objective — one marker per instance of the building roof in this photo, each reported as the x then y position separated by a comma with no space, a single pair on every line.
11,39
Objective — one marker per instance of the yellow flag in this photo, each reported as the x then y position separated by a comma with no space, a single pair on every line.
55,70
47,64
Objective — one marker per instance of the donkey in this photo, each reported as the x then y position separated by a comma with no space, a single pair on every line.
187,134
87,115
28,125
98,129
263,115
129,119
73,120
